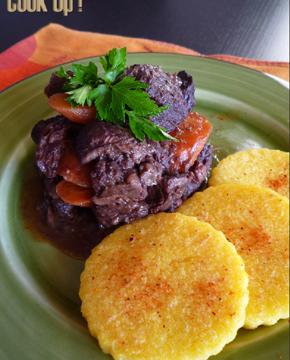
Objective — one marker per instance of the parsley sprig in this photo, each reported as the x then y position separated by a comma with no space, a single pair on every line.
118,98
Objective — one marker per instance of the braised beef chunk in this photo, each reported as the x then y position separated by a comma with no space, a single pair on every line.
138,195
131,179
126,173
50,136
187,88
174,90
101,139
73,228
131,195
55,85
177,188
121,204
97,137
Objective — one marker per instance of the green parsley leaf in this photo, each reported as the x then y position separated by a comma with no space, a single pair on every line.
141,127
84,75
79,96
131,92
102,98
114,64
61,73
118,98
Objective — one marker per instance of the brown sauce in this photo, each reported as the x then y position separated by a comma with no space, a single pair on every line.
74,240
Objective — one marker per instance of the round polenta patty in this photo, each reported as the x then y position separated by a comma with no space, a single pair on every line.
256,221
165,287
261,167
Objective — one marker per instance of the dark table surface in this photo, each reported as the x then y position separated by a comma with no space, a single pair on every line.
252,28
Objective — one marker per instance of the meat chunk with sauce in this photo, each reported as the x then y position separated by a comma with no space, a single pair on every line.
50,137
174,90
128,179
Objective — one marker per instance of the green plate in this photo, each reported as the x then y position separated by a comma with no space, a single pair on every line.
39,304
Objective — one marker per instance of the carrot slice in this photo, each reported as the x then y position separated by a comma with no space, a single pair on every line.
79,114
74,195
192,134
71,169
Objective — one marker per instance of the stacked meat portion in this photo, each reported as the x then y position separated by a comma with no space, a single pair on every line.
127,179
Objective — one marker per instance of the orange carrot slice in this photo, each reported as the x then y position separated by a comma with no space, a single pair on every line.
79,114
71,169
74,195
192,134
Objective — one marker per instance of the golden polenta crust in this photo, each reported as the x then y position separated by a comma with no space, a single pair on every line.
261,167
256,221
166,287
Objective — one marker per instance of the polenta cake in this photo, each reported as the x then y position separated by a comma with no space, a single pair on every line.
167,287
261,167
256,221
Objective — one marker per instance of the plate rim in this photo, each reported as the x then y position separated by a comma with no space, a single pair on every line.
163,54
206,57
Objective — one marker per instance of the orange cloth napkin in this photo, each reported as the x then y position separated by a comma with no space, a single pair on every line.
55,44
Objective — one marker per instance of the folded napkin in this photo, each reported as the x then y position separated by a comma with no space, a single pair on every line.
55,44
